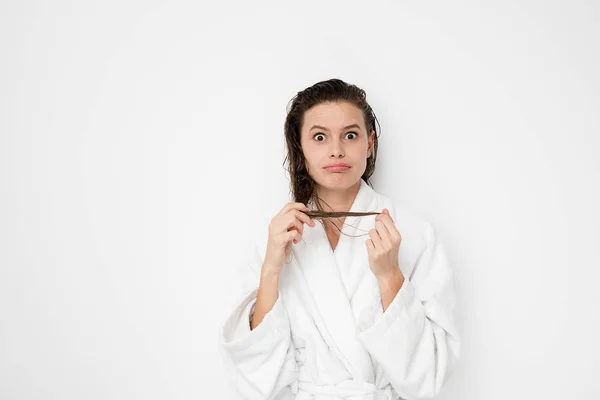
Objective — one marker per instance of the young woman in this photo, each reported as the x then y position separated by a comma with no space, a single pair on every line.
361,303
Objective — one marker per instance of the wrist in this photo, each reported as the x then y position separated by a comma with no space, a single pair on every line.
392,277
269,273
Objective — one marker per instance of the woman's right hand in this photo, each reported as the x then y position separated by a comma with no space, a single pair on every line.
284,229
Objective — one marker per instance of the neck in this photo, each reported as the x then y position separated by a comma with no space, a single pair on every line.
338,200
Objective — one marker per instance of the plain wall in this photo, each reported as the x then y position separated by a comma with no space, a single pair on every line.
140,142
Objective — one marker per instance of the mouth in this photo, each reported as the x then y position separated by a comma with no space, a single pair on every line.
337,167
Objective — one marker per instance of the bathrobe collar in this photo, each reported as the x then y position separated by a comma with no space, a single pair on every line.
319,267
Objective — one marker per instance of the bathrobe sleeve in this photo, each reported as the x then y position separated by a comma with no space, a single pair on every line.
416,340
261,362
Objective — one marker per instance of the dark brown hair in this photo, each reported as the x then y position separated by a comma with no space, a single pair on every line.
302,185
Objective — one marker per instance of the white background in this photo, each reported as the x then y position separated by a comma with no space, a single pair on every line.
140,141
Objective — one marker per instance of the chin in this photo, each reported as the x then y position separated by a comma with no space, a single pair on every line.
338,180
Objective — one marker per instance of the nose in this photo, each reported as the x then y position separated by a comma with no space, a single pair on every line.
336,149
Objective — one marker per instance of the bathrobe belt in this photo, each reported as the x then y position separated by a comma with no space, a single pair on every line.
349,390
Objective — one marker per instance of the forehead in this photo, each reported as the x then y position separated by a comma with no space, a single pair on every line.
333,115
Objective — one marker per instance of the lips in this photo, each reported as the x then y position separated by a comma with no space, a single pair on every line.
338,167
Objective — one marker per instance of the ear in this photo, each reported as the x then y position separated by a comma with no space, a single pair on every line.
371,143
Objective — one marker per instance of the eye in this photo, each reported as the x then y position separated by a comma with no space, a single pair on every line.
351,133
319,134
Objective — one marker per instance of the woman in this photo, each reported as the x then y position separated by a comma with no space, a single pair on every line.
329,313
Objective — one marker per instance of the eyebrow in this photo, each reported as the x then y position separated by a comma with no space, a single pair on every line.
326,129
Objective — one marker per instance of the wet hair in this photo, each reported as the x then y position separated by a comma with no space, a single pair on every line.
302,186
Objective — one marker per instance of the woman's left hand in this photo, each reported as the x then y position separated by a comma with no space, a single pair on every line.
383,246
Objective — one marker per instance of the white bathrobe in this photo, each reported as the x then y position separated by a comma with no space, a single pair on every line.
327,336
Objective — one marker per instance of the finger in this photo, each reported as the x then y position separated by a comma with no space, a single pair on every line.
370,246
298,238
297,208
383,233
300,231
303,217
294,224
288,206
285,208
289,236
285,239
375,238
389,224
385,214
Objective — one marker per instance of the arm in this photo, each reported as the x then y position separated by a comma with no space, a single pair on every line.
416,339
268,293
261,358
389,287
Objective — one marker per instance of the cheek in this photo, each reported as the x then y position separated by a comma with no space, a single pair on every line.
308,163
360,151
311,153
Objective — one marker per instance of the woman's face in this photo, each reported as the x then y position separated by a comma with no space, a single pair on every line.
335,132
